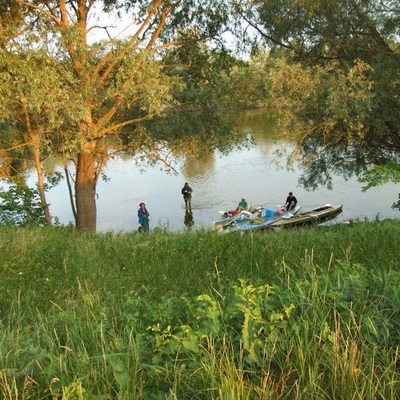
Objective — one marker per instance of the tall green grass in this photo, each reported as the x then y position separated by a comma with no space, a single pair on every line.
297,314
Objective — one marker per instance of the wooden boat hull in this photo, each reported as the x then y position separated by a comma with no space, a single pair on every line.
314,216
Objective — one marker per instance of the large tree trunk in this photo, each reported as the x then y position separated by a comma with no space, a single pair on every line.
85,192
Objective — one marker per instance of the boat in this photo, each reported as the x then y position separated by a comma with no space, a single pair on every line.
245,215
313,216
266,218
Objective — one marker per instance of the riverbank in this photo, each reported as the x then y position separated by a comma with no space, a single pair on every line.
308,313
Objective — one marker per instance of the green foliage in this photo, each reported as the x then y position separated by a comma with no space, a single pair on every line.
322,30
381,174
20,205
334,80
203,117
15,158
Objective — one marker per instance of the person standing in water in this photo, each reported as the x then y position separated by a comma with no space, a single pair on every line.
143,216
187,196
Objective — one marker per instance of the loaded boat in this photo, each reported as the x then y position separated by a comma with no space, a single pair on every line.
227,219
262,221
313,216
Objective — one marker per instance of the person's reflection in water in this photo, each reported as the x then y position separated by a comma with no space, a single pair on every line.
188,220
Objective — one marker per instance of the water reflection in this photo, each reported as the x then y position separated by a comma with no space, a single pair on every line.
188,220
261,126
194,169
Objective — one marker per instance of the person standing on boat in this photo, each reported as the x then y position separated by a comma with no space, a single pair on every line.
291,202
143,216
187,196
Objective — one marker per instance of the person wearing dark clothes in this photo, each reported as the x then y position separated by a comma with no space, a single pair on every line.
187,196
291,202
143,215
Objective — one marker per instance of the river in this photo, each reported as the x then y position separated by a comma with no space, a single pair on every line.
218,183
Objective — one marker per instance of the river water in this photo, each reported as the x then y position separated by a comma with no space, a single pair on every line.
218,182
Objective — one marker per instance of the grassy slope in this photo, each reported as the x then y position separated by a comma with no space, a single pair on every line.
293,314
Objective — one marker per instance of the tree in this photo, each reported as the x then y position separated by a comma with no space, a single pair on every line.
334,76
99,93
31,89
21,205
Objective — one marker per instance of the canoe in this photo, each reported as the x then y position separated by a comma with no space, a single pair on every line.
267,217
313,216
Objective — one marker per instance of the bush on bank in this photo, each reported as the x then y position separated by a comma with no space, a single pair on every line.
310,313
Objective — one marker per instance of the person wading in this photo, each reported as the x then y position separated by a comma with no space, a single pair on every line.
187,196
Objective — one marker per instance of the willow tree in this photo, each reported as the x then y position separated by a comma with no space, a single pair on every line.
22,131
334,77
33,103
102,90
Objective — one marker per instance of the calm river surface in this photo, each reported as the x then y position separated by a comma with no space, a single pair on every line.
218,182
